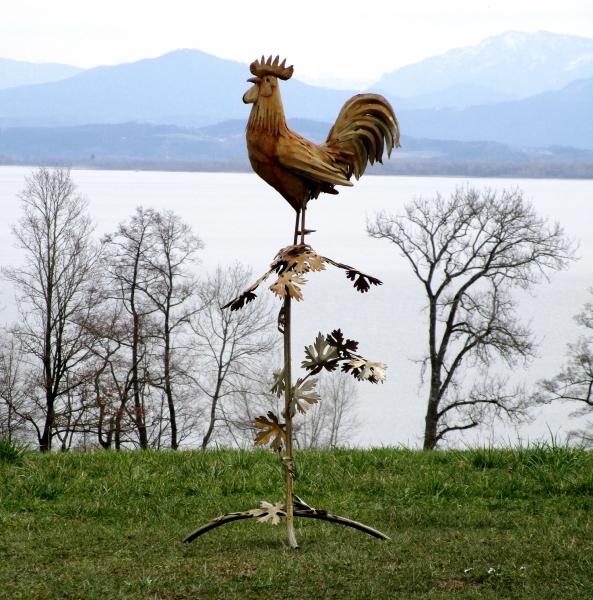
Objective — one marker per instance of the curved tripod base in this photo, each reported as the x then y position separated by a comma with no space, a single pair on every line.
309,514
222,520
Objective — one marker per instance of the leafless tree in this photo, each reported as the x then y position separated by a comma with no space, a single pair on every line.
574,383
469,252
174,248
108,390
13,389
127,276
230,345
139,377
55,287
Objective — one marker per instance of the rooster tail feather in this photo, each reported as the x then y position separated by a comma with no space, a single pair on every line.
365,126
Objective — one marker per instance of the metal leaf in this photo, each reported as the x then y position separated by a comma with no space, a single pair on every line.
304,394
362,282
270,428
343,347
246,296
278,385
320,356
364,369
289,283
269,512
303,263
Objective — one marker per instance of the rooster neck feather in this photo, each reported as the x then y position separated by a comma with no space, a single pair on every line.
267,115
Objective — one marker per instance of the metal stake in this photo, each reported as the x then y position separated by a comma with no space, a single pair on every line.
288,457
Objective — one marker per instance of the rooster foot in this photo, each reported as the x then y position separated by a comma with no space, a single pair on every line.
307,231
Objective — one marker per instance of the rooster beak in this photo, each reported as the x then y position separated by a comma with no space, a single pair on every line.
254,80
252,94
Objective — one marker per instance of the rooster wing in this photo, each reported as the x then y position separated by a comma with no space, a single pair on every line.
305,159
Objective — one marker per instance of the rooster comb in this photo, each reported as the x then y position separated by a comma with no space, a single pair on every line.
259,69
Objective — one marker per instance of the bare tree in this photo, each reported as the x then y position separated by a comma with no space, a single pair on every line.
14,415
108,391
55,286
174,247
125,261
469,252
230,345
574,383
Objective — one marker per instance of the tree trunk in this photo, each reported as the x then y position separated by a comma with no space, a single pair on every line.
168,387
46,436
216,396
138,412
106,441
212,417
118,419
431,419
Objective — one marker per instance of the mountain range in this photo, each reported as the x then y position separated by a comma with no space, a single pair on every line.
515,63
468,94
563,117
14,73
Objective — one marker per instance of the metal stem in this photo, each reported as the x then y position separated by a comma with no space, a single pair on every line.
288,457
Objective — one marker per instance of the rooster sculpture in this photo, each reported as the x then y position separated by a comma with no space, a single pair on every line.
299,169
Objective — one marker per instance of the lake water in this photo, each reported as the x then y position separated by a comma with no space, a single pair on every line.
241,219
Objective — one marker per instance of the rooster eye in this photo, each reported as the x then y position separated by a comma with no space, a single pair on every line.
268,79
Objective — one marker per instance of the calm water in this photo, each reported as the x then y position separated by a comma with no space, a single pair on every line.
241,219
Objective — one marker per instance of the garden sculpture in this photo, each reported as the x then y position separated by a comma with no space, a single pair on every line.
300,170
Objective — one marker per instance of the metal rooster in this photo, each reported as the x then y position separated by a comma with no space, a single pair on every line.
299,169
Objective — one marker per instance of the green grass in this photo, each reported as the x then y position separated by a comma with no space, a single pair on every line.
480,523
10,451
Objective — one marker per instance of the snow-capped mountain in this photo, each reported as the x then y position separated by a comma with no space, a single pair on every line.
515,63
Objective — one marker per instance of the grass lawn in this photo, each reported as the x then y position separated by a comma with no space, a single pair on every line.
464,524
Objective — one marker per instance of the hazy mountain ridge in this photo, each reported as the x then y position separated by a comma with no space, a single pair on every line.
521,64
184,87
563,117
149,89
15,73
459,95
226,141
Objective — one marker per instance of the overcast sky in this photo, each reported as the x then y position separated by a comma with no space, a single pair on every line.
320,37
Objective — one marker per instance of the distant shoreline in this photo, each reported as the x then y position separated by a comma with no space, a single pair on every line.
418,168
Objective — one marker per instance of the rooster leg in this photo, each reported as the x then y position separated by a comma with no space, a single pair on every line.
296,226
303,225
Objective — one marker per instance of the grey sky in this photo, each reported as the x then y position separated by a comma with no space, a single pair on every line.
320,37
